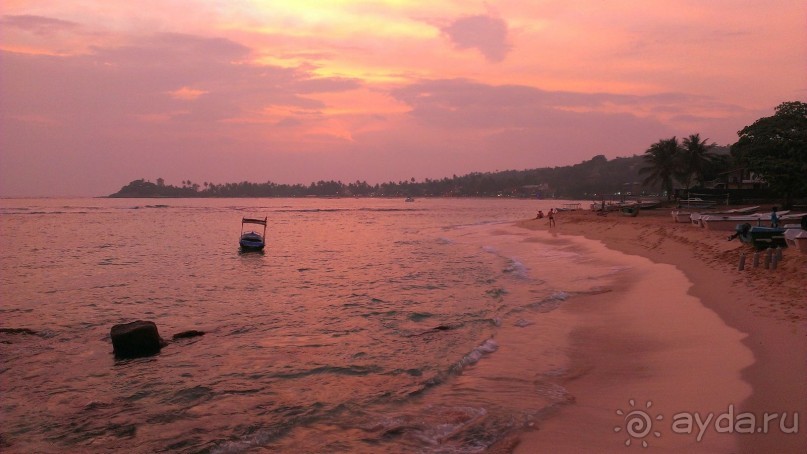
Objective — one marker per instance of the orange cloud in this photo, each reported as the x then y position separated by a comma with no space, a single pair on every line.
403,84
186,93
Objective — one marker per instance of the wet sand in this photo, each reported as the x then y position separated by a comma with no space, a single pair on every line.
736,346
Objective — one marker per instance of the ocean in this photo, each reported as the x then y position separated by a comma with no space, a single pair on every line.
367,325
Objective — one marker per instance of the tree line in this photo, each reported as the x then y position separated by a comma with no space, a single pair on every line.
775,148
590,177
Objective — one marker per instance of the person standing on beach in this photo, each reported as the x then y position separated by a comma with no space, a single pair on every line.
551,217
774,218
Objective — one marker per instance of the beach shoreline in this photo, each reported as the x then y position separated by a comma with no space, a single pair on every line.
767,308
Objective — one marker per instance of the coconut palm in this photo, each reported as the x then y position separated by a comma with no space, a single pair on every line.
695,157
662,164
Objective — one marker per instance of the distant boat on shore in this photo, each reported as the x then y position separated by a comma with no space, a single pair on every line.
797,238
695,217
614,206
630,210
696,202
728,222
648,204
796,235
569,207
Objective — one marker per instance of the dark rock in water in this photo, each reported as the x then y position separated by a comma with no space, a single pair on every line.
436,328
18,331
187,334
136,339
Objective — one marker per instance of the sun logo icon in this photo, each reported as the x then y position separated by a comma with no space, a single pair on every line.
638,424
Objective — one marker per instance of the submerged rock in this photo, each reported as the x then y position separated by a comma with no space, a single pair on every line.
18,331
187,334
136,339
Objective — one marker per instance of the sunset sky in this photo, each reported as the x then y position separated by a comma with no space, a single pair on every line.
96,93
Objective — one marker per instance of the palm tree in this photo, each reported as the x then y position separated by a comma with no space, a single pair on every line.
696,156
661,159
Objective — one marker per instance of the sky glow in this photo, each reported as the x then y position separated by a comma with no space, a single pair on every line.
94,94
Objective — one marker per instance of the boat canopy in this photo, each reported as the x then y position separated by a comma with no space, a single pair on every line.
254,221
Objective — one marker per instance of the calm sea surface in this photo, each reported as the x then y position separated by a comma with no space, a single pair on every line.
366,326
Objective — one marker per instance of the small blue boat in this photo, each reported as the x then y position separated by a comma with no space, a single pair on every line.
252,240
761,237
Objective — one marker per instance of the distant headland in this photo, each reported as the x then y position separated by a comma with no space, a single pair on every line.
767,161
577,181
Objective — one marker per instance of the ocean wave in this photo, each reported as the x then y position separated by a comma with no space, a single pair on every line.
343,210
550,303
517,269
261,437
335,370
487,347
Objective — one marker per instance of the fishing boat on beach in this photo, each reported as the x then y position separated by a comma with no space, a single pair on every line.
696,202
604,206
695,217
796,235
569,207
728,222
761,237
682,216
801,242
252,240
630,210
648,204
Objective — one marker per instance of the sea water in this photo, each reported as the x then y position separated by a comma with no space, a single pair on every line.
367,325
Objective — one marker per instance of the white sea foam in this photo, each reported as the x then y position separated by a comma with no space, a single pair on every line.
489,346
549,303
517,269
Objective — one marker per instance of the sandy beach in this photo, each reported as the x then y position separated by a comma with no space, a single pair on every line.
735,352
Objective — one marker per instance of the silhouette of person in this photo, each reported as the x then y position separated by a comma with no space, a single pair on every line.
551,217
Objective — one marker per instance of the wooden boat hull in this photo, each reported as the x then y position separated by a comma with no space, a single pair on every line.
797,239
729,223
697,203
631,211
682,216
649,204
801,244
251,241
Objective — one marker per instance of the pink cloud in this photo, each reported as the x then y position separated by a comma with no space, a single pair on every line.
488,35
38,25
93,95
